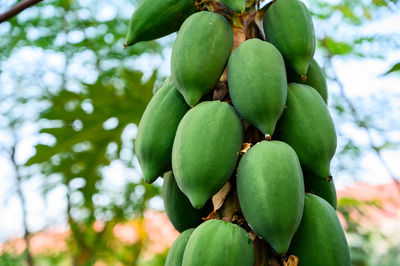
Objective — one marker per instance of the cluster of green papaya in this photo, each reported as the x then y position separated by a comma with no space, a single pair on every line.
275,103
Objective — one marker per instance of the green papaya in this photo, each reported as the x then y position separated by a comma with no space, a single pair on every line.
321,187
271,192
315,79
258,98
235,5
320,239
218,243
175,253
178,208
307,126
153,19
199,54
156,131
206,149
288,25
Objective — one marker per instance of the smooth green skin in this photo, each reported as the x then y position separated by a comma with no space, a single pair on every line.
320,187
320,239
288,25
235,5
306,125
315,78
153,19
219,243
178,208
199,54
156,131
271,192
175,253
258,84
206,149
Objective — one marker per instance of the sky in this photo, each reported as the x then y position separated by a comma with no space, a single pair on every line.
362,79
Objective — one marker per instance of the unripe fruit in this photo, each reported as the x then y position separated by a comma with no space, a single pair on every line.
315,79
153,19
257,84
235,5
321,187
307,126
156,131
196,61
320,239
205,151
178,208
271,192
288,25
175,253
218,243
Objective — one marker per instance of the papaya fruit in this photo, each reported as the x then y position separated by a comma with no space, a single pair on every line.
258,98
320,239
175,253
153,19
206,149
199,54
288,25
315,78
271,192
178,208
235,5
218,243
156,131
307,126
321,187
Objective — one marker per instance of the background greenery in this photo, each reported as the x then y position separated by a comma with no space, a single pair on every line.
68,87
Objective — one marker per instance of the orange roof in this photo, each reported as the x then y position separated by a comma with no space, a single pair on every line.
385,196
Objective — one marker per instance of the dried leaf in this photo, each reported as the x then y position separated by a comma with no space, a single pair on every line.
245,148
291,261
219,198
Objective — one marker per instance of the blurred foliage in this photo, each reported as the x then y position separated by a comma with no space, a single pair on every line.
88,102
88,137
11,259
363,239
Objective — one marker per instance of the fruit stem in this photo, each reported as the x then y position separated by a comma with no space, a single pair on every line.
260,252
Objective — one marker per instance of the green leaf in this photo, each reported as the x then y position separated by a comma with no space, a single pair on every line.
42,152
395,68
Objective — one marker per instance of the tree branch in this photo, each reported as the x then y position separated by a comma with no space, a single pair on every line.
360,123
27,251
18,8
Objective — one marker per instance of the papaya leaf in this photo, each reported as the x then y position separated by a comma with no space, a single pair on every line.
63,142
42,152
126,105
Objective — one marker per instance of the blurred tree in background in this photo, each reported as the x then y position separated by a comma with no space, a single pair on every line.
68,87
73,80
